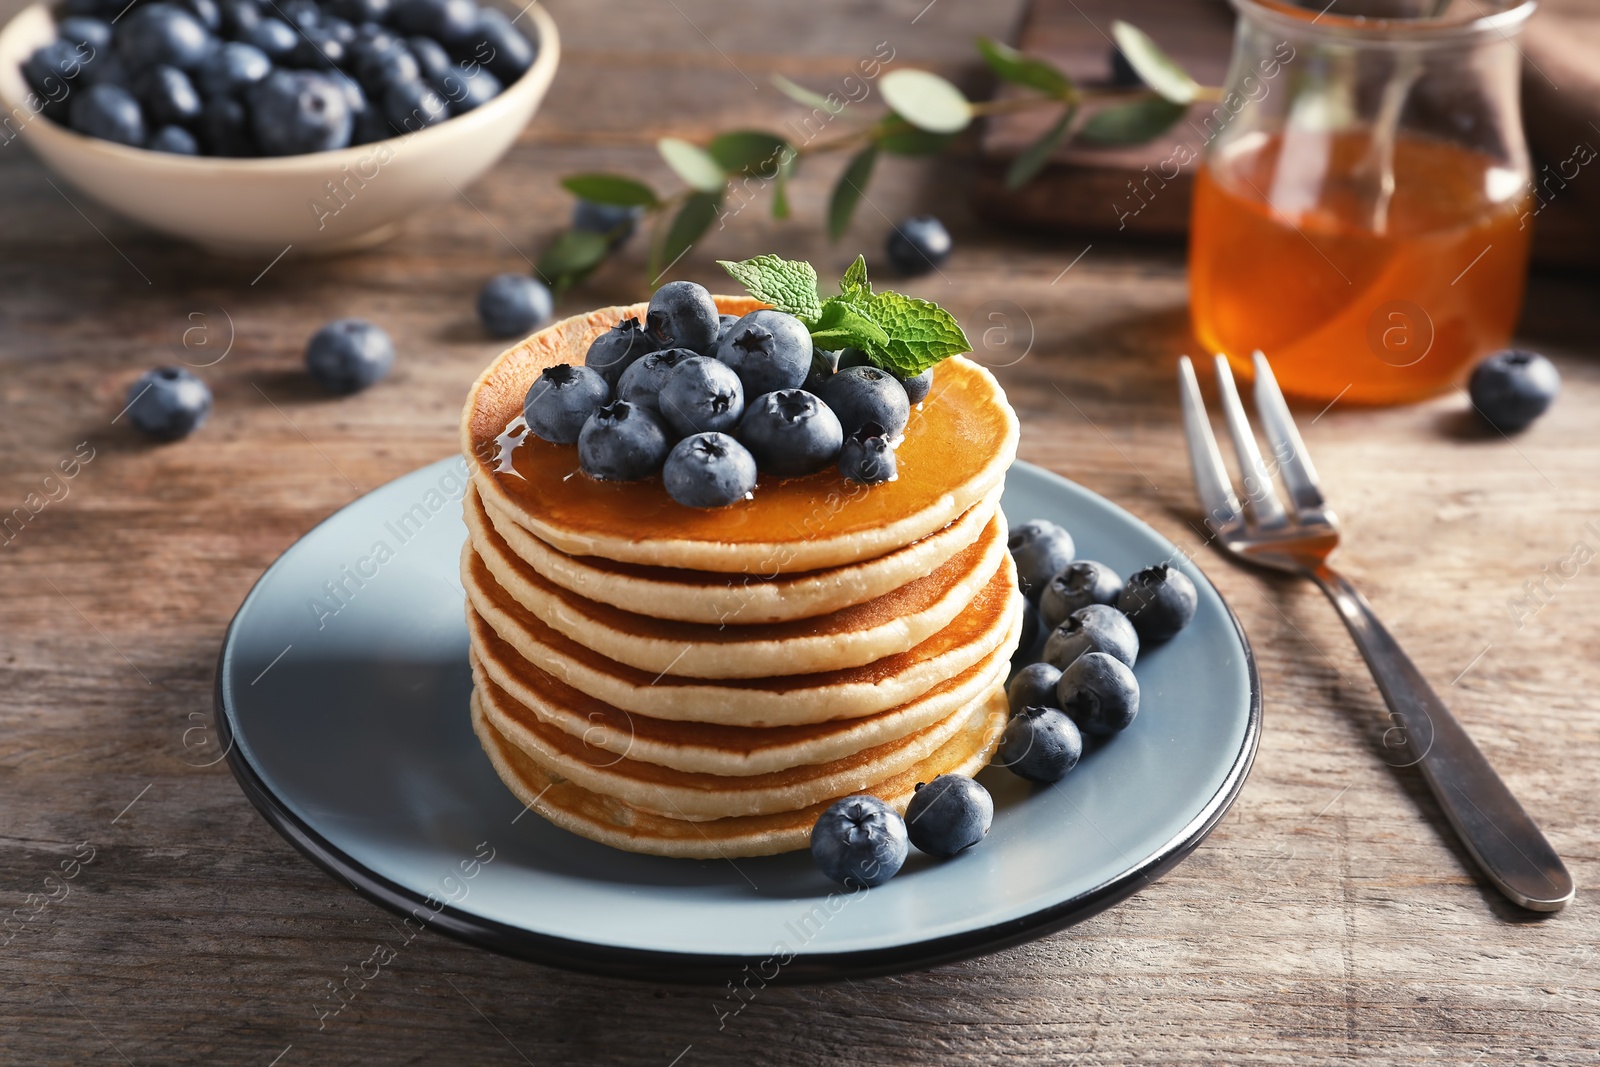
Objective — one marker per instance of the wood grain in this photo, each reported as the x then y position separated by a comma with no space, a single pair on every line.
1328,919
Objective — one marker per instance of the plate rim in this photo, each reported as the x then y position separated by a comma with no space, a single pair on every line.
658,966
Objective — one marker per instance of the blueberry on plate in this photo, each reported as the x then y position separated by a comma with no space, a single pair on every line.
917,388
110,113
168,403
614,221
275,37
1159,601
617,349
162,33
498,45
702,395
347,355
1041,550
683,315
641,383
1512,388
769,350
232,68
860,841
168,96
866,456
510,305
862,395
174,139
1099,693
82,30
1040,744
225,128
1034,686
409,106
918,245
560,401
948,814
295,111
1082,583
790,432
622,442
1096,628
447,21
709,470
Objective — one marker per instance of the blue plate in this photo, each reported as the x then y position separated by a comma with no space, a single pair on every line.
342,700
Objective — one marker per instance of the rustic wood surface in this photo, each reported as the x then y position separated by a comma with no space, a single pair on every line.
1329,918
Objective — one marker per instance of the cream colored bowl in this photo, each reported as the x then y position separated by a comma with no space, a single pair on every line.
319,202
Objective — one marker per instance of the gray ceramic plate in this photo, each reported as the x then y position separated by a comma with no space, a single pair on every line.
342,696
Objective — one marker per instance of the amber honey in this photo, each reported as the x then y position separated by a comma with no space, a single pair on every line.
1288,254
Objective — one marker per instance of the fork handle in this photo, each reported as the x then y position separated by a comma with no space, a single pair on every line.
1506,843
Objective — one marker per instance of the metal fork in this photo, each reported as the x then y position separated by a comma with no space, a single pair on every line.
1504,841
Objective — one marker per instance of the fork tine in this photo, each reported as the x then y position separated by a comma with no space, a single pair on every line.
1258,487
1294,464
1211,480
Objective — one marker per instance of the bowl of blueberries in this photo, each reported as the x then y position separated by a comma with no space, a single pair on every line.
247,126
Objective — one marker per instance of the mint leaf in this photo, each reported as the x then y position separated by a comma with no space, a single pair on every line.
843,324
921,333
790,285
855,279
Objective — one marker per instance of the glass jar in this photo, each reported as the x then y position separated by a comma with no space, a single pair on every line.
1362,211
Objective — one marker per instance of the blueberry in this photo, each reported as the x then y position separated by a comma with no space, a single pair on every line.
1041,550
206,12
465,91
302,13
683,315
239,17
1082,583
1096,628
1030,631
918,245
410,106
499,45
948,814
233,68
431,57
641,383
383,60
1099,693
1159,601
347,355
860,841
448,21
50,72
917,388
174,139
358,11
107,68
340,30
622,442
512,304
293,112
859,395
168,96
790,432
768,350
162,33
275,37
225,128
318,49
1040,744
561,400
1512,388
824,365
709,470
110,113
702,395
616,350
866,456
724,321
1034,686
168,403
81,30
617,223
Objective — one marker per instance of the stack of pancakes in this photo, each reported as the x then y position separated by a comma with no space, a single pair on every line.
705,683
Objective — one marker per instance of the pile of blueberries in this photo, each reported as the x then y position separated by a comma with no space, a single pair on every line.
1083,685
271,77
710,400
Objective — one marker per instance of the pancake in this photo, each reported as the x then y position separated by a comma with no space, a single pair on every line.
985,624
701,596
956,450
710,748
611,822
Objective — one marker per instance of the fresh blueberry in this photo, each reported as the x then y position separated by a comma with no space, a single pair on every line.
206,12
512,304
859,395
305,14
1096,628
168,403
1040,744
465,91
239,17
948,814
110,113
431,57
724,322
51,72
561,400
347,355
617,223
641,383
358,11
162,33
447,21
866,456
225,128
106,68
709,470
622,442
617,349
84,31
498,45
275,37
860,841
1030,632
768,350
174,139
1034,686
683,315
918,245
410,106
790,432
340,30
702,395
824,365
233,68
1041,550
318,49
917,388
1159,601
382,60
1082,583
168,96
1099,693
1512,388
293,112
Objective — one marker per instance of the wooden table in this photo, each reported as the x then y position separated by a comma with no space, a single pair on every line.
1329,918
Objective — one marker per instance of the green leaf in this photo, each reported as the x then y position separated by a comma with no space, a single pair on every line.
780,194
612,189
790,285
1131,123
750,152
801,95
898,137
848,190
696,215
843,324
571,256
693,164
1159,70
926,100
1036,155
921,333
1019,69
855,279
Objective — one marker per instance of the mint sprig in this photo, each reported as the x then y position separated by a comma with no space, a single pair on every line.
787,284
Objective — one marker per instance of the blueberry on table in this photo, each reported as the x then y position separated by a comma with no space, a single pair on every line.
918,245
510,305
1040,744
561,400
347,355
948,814
275,37
862,395
110,113
622,442
1096,628
1512,388
641,383
168,403
790,432
683,315
1042,550
866,456
448,21
702,395
614,222
168,96
83,30
232,68
618,349
1034,686
409,106
709,470
162,33
1159,601
174,139
1099,693
1082,583
768,350
499,45
860,841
